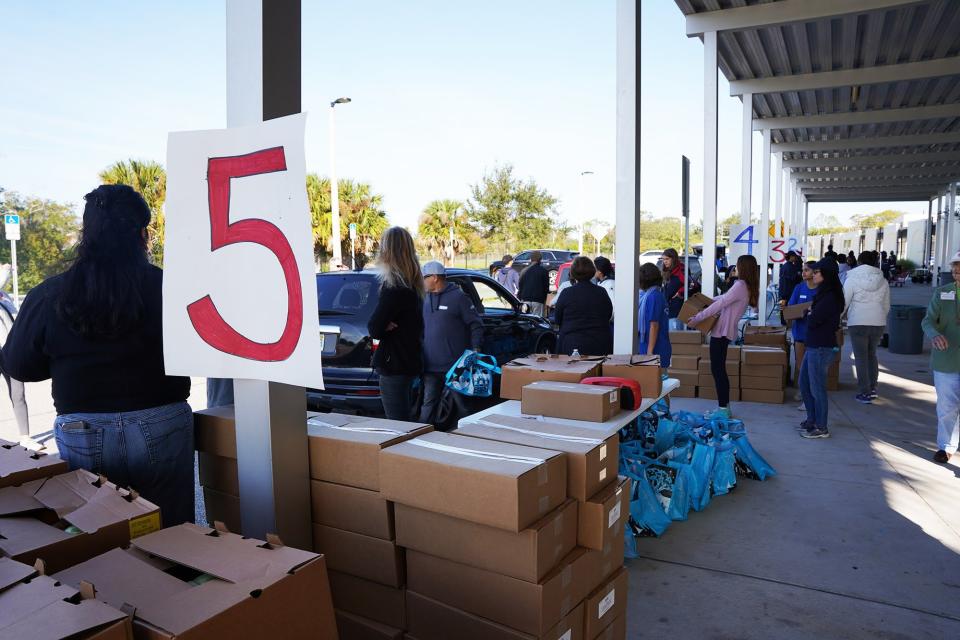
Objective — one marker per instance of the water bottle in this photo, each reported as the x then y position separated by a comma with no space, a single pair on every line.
575,354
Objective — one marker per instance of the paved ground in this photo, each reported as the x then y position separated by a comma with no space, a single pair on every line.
857,537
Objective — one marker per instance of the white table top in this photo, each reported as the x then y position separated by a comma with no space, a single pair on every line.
512,408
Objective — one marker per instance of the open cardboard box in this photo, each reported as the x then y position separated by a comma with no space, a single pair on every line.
33,605
640,368
19,464
189,582
520,372
694,305
346,449
69,518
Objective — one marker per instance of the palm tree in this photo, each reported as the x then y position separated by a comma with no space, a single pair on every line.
436,221
358,204
149,179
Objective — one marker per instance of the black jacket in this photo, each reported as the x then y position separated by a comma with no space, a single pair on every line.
451,325
93,375
401,349
823,320
583,313
534,284
673,292
789,279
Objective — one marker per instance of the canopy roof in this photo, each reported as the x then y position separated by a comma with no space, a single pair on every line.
861,96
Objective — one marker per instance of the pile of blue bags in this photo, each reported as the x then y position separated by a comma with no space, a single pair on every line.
679,462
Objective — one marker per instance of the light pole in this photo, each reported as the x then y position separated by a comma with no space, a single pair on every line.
583,212
337,258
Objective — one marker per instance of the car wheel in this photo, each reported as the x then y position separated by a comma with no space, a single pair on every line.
552,274
546,343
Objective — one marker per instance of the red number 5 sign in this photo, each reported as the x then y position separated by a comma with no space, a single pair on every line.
239,283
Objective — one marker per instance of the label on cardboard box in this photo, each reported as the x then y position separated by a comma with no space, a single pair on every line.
145,524
607,603
614,516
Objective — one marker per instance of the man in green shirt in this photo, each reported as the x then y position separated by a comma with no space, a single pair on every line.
942,326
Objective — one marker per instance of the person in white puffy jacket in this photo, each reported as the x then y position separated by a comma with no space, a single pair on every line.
867,296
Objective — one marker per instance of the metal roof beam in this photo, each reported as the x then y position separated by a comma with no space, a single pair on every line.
847,77
879,191
859,117
912,197
868,143
878,159
878,185
784,12
804,175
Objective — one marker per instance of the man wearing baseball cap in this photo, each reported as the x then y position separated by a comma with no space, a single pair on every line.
942,326
451,325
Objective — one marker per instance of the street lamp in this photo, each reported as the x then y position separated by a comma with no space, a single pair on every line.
337,258
583,212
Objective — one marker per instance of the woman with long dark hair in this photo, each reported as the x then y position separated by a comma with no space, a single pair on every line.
673,282
397,322
730,307
823,320
96,330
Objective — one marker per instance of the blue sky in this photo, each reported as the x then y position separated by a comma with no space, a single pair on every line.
442,92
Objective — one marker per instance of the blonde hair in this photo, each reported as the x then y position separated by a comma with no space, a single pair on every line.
399,265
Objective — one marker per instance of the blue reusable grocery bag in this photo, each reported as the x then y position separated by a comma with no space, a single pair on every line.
701,466
472,374
750,464
647,517
724,476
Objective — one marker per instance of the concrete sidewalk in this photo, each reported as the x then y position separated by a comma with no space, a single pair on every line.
857,537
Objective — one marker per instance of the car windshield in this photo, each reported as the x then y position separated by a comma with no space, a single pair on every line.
347,293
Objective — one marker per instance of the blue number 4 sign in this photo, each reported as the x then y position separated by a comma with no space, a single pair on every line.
748,232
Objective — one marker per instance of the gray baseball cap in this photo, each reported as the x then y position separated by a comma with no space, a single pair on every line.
434,268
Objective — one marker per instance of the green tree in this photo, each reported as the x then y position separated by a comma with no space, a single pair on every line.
665,233
358,204
48,231
876,220
149,179
826,225
506,209
435,224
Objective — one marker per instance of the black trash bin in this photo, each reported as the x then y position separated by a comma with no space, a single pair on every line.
903,325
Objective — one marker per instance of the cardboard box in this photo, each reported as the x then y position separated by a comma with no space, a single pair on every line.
363,556
346,449
368,599
215,431
684,349
494,483
33,605
433,620
528,555
222,507
733,354
765,335
604,515
706,380
761,370
685,391
763,355
757,395
532,608
694,305
643,369
685,378
732,367
35,515
607,603
710,393
591,459
353,627
219,473
688,363
796,311
19,465
686,336
255,590
359,510
616,631
571,401
520,372
769,383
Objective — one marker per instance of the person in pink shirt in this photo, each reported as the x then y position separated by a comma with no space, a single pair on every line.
730,307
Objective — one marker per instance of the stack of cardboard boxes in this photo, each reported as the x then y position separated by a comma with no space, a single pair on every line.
685,362
762,373
215,438
513,529
353,523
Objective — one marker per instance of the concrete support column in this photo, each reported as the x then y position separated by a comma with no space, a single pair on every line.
806,226
710,88
777,204
764,249
746,166
926,238
938,239
628,176
951,237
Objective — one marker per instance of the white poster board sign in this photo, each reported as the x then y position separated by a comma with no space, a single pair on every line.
745,241
239,286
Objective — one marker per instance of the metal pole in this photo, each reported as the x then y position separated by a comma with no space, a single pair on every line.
337,258
764,249
746,166
13,269
777,205
927,235
710,88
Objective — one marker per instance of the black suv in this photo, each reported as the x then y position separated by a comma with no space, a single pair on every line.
346,299
552,259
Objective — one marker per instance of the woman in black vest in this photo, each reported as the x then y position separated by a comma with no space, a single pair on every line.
583,313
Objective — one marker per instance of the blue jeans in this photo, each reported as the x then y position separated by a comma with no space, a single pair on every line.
813,383
948,410
396,394
150,451
432,391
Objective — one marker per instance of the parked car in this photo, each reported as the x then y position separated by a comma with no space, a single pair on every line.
551,261
650,256
921,275
346,299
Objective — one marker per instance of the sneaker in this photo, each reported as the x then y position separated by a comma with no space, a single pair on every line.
863,398
806,425
720,413
941,456
873,394
816,432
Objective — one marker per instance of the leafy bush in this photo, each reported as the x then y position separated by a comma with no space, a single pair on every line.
905,265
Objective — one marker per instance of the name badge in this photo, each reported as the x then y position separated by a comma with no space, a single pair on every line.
442,307
948,295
